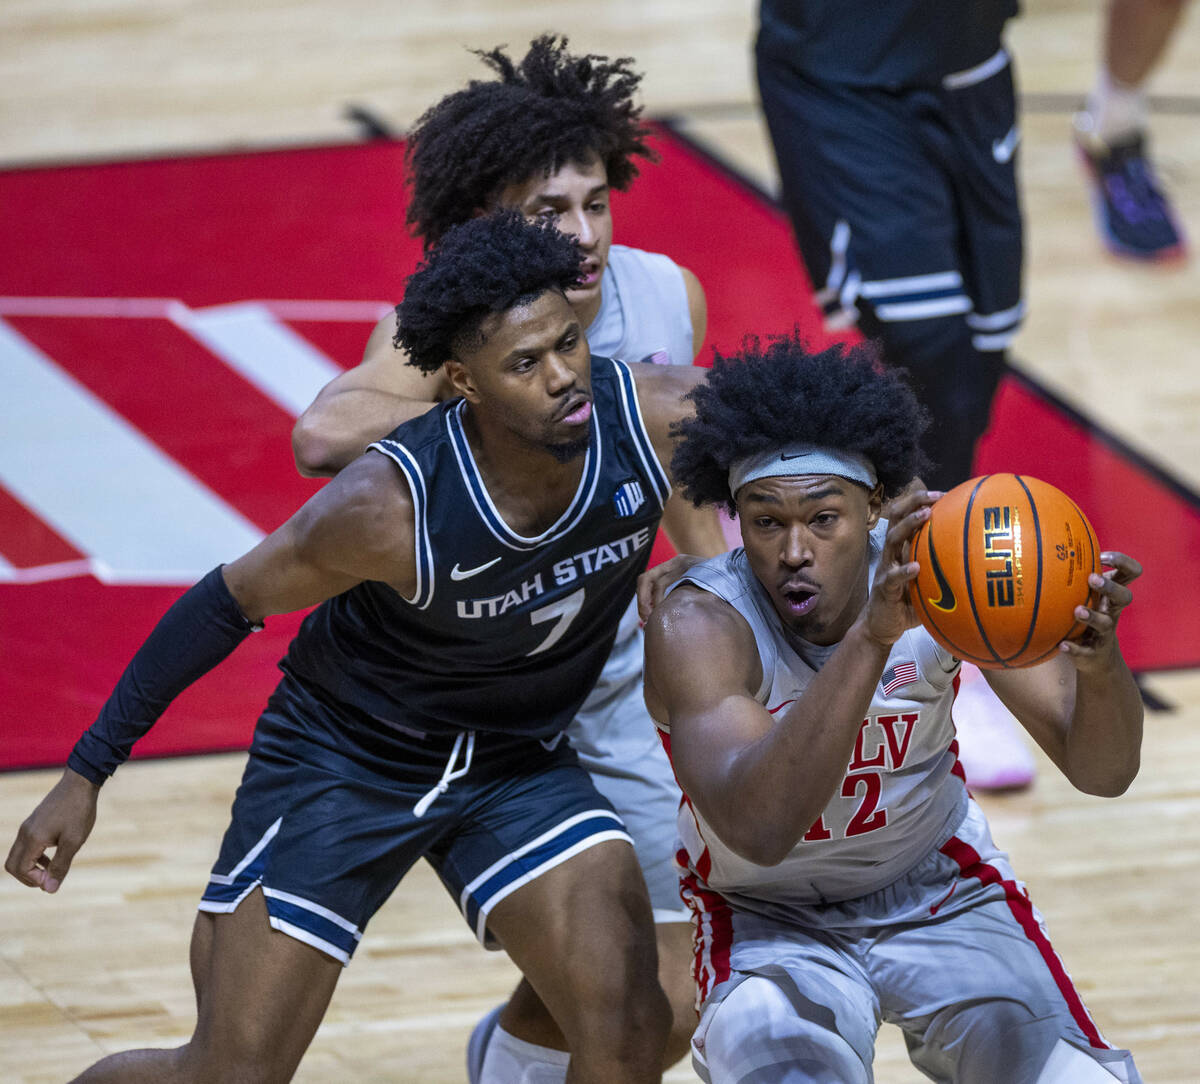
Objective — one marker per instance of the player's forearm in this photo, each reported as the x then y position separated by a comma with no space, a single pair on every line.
200,630
781,784
1103,747
693,530
336,430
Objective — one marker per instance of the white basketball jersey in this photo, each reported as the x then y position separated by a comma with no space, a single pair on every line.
903,792
644,316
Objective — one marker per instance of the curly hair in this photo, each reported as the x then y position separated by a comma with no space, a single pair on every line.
762,398
482,266
549,109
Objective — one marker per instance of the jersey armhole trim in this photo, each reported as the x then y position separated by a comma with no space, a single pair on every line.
404,459
631,405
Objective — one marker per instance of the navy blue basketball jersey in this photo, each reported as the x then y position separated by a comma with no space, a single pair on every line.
503,632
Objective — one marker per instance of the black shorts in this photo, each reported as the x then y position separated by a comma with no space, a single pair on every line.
904,200
327,829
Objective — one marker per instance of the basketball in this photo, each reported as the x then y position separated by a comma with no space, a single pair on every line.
1005,560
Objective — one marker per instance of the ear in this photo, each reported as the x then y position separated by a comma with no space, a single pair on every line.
460,380
874,505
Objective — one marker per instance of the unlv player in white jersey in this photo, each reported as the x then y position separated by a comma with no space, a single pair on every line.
839,872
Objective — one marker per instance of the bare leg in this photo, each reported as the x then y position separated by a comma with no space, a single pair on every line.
1136,35
260,996
527,1018
583,936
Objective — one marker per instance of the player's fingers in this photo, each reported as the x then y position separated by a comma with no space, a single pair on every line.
900,531
60,865
1097,620
1114,595
26,858
1125,568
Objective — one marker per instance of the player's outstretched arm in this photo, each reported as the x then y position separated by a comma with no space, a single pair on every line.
1083,706
358,527
363,404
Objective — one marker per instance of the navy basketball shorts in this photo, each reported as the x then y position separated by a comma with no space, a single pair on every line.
954,953
904,201
331,814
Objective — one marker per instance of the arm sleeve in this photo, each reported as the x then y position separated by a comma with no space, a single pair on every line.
199,630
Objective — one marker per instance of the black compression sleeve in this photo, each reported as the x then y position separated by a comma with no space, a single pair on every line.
200,630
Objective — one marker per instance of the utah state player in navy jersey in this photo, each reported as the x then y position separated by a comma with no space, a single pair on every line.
551,134
506,629
358,769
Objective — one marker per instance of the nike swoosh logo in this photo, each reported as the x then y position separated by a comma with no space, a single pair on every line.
947,603
1004,149
457,573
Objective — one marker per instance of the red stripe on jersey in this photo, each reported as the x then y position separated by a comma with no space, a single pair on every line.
713,936
1022,910
958,768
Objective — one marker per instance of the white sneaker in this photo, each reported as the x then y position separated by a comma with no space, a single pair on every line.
991,747
478,1042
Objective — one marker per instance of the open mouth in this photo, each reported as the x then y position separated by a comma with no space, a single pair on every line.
591,272
799,598
577,411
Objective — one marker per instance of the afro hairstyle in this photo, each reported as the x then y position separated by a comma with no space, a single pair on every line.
766,397
542,112
485,265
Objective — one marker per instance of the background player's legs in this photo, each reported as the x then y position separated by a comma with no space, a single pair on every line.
765,1032
582,935
1134,216
526,1017
260,996
955,381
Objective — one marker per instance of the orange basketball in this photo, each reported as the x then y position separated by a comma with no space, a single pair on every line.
1005,560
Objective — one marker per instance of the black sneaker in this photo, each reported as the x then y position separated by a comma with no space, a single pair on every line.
1133,216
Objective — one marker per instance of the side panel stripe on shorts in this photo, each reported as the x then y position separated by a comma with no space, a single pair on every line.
713,937
550,849
250,867
1027,918
318,922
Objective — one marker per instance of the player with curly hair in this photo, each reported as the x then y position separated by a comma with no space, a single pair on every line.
840,873
551,135
470,572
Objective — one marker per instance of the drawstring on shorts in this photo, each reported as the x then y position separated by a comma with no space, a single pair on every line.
450,774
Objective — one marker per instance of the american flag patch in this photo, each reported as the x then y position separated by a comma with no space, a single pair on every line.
629,498
903,673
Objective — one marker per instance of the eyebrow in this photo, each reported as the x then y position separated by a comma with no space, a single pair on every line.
560,197
520,351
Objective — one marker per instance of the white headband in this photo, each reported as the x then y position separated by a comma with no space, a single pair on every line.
801,458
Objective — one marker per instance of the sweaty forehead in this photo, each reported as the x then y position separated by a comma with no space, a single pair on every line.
797,489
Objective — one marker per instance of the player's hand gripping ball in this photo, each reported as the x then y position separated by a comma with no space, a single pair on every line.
1005,560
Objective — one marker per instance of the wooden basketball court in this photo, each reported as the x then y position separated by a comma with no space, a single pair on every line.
102,966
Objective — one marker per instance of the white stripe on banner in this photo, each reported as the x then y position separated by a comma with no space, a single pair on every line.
97,481
923,310
250,340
